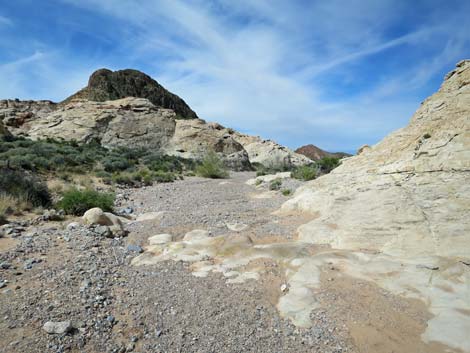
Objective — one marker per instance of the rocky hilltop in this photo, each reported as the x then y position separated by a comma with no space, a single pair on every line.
128,108
106,85
316,153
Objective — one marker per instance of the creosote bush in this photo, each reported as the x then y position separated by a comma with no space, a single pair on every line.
77,202
275,184
306,172
286,192
327,164
24,187
212,167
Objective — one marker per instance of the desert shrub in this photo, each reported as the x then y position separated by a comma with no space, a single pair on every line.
327,164
163,177
212,167
116,164
24,186
306,172
286,192
77,202
258,182
427,136
275,184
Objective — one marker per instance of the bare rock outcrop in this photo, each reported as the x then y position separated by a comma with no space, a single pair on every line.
269,153
409,195
194,138
105,85
17,115
129,122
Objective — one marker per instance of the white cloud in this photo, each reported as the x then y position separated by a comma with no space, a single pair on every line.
5,21
261,66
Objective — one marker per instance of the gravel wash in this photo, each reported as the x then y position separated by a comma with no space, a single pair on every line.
54,275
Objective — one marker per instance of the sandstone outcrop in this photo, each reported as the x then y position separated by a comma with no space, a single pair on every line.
398,212
194,138
106,85
129,122
269,153
406,185
17,114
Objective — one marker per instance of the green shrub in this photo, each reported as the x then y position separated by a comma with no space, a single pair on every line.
76,202
212,167
306,172
25,186
327,164
162,177
258,182
286,192
275,184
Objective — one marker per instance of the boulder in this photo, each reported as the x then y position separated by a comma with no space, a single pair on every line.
96,216
58,327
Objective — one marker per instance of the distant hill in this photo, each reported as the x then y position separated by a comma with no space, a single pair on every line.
315,153
105,85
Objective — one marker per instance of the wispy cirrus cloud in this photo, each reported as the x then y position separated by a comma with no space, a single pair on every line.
299,72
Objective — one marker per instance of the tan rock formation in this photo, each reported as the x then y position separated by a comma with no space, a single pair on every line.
194,138
128,122
269,153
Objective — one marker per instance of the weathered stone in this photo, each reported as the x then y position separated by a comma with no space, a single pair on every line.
195,138
128,122
409,194
58,327
269,153
160,239
96,216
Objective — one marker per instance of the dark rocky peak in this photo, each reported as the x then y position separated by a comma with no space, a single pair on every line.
315,153
105,85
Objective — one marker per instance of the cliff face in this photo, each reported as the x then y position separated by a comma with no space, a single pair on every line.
105,85
396,197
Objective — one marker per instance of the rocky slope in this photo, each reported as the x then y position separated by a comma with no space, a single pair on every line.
128,108
315,153
106,85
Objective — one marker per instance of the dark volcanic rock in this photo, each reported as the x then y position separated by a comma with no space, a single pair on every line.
315,153
106,85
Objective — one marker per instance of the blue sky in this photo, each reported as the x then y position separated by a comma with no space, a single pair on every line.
334,73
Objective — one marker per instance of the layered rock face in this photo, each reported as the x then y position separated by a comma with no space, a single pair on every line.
315,153
193,138
15,113
129,122
407,196
106,85
270,153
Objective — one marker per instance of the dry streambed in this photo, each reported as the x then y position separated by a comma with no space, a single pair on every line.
221,272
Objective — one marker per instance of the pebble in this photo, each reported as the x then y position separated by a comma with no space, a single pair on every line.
57,327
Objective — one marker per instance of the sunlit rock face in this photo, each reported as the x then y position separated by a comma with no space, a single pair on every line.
407,196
